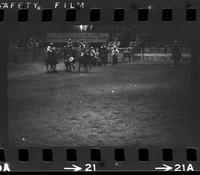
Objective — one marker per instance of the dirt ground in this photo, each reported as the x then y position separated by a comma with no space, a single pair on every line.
126,105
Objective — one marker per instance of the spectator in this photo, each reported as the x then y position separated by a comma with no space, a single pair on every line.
115,53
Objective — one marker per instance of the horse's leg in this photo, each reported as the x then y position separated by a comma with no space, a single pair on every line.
89,65
73,66
65,67
79,67
82,66
86,66
51,67
70,67
47,67
55,67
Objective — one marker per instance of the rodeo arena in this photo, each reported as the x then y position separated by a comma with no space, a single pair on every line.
98,88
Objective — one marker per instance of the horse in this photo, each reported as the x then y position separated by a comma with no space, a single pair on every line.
51,60
85,61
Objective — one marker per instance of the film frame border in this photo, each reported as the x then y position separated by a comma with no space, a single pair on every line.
106,152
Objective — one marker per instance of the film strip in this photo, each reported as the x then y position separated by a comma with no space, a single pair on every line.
99,86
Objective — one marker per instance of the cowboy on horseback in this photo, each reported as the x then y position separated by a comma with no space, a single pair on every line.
84,58
50,48
82,45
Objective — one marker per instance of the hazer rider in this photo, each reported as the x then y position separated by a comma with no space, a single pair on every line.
50,48
114,53
82,44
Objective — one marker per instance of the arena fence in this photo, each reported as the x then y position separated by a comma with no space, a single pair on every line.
153,55
23,55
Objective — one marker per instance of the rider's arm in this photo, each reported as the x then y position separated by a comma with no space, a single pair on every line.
48,49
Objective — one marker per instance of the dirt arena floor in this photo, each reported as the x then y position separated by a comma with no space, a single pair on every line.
126,105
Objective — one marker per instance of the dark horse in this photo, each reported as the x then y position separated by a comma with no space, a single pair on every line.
85,61
50,61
